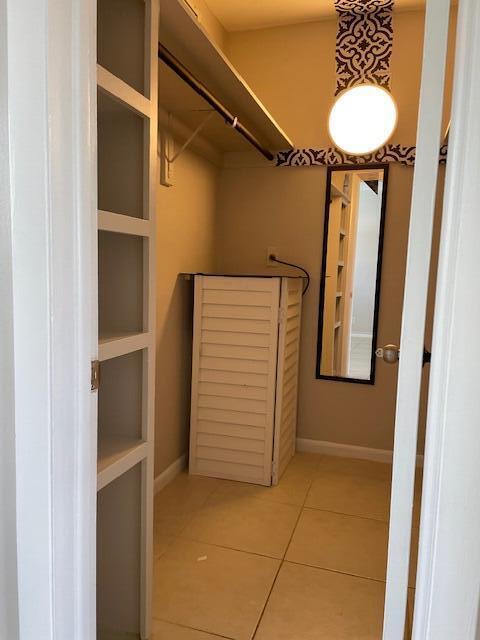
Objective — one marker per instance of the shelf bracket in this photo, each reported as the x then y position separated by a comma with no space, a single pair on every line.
191,138
167,144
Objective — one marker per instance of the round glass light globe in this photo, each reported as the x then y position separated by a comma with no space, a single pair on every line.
362,119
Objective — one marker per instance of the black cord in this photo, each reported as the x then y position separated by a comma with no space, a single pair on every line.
295,266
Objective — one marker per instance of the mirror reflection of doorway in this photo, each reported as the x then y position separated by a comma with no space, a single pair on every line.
350,282
364,278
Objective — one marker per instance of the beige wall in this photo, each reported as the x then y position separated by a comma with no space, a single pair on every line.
260,207
210,23
185,234
292,70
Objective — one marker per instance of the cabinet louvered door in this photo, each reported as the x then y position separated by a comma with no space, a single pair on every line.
233,377
287,375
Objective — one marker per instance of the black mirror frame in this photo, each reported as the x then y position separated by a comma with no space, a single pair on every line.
381,235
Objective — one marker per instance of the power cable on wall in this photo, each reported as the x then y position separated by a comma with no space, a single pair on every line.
274,258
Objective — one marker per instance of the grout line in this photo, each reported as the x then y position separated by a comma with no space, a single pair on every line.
247,485
342,573
221,546
184,626
267,599
283,559
349,515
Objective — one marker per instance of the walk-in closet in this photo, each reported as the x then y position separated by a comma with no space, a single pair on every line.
252,259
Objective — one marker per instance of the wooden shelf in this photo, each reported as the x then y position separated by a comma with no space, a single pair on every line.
185,37
337,193
339,294
115,344
121,91
119,223
338,324
341,264
343,233
117,455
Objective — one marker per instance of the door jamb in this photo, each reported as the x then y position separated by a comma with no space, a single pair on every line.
448,577
51,97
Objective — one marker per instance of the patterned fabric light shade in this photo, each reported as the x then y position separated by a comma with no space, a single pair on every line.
362,119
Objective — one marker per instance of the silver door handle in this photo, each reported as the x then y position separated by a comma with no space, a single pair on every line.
390,353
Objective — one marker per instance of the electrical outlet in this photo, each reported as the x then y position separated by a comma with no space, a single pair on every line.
272,251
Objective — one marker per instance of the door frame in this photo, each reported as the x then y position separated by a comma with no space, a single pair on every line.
50,57
424,192
448,575
51,63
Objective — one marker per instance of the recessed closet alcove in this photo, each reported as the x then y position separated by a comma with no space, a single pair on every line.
218,187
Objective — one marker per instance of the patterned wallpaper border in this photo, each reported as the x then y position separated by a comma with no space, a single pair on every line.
364,43
329,156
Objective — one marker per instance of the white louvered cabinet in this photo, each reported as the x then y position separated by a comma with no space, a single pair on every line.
244,376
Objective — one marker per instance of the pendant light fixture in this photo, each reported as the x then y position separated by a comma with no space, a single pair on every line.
362,119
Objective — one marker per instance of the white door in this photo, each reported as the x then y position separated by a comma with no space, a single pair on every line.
413,322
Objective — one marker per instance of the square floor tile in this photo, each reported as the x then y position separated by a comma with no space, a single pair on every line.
160,542
292,489
211,589
245,523
354,495
176,504
305,464
313,604
357,546
167,631
356,467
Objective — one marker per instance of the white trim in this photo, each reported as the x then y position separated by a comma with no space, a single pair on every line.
337,449
170,473
424,193
8,532
448,577
51,98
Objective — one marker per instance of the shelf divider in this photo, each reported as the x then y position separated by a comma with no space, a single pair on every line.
116,456
115,344
122,92
119,223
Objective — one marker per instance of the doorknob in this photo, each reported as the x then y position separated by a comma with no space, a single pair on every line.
390,353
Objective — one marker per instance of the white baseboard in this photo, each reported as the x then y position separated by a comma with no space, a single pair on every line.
347,451
170,473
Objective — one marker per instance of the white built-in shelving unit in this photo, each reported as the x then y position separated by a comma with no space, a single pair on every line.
127,115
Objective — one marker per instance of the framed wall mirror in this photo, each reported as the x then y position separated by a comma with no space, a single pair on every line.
351,268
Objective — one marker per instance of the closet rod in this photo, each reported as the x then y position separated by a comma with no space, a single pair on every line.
175,64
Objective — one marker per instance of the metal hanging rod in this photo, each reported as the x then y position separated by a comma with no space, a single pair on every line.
193,82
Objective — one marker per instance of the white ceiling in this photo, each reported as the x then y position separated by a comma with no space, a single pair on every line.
243,15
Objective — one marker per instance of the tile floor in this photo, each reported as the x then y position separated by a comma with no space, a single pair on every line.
301,561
